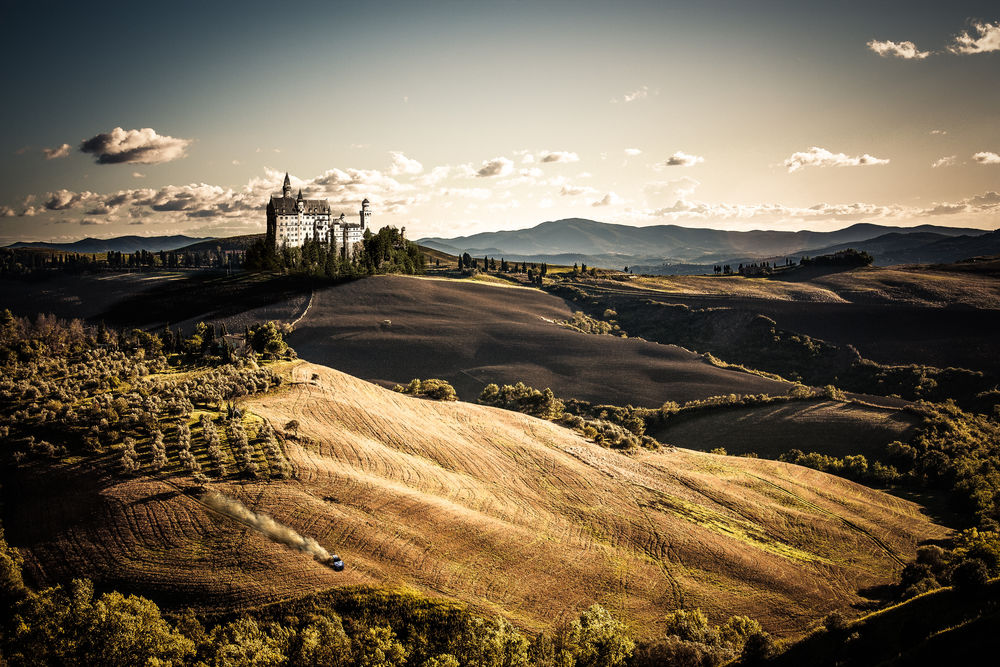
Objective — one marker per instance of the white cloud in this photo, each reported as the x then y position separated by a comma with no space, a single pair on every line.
942,132
820,157
498,166
986,157
559,156
576,190
906,50
632,152
143,146
56,153
987,39
637,94
434,176
465,193
404,165
946,161
136,174
7,212
681,159
610,199
672,190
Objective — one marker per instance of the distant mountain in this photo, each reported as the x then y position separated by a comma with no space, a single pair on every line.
225,243
613,244
117,244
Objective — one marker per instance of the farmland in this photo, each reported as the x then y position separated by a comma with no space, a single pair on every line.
508,513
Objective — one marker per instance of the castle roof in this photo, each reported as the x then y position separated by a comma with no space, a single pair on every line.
288,205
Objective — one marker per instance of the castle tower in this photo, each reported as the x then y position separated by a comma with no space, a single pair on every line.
286,189
365,213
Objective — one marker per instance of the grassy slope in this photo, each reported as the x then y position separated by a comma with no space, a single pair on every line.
940,627
503,511
837,429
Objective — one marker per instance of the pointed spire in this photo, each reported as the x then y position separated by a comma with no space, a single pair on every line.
288,181
300,194
286,188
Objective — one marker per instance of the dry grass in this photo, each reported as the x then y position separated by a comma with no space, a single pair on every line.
736,287
506,512
922,286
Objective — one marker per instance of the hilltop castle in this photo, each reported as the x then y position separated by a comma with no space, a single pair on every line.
292,221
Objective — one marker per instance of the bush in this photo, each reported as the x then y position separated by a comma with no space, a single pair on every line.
433,388
970,575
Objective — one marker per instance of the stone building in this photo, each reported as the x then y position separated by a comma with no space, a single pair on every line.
291,221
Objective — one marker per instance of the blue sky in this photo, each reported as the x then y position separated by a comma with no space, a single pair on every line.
457,117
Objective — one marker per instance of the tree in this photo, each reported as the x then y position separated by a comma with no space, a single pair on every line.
321,643
378,647
599,639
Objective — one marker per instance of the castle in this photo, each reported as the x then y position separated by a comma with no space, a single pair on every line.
291,221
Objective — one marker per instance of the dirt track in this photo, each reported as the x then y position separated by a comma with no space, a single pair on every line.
506,512
393,329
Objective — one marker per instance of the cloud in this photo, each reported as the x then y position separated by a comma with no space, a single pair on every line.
576,190
939,131
946,161
681,159
136,174
986,157
906,50
92,221
61,200
632,152
56,153
143,146
498,166
559,156
404,165
820,157
434,176
610,199
637,94
672,190
7,212
988,39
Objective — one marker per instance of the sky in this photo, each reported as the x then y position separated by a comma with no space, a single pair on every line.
461,117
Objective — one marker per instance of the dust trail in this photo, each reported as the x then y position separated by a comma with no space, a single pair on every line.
266,525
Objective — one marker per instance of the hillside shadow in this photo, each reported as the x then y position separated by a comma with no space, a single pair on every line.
205,296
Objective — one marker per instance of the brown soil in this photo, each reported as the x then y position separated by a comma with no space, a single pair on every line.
836,429
393,329
509,513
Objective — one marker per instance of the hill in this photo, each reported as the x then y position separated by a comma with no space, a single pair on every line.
395,328
506,512
834,429
117,244
227,243
945,626
920,248
562,241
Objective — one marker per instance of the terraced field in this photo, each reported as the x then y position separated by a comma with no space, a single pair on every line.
504,511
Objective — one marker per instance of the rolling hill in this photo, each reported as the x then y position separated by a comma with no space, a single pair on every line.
395,328
506,512
566,241
117,244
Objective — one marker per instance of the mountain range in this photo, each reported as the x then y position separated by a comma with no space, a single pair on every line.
117,244
689,249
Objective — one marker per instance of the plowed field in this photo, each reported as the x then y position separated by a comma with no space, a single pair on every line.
509,513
